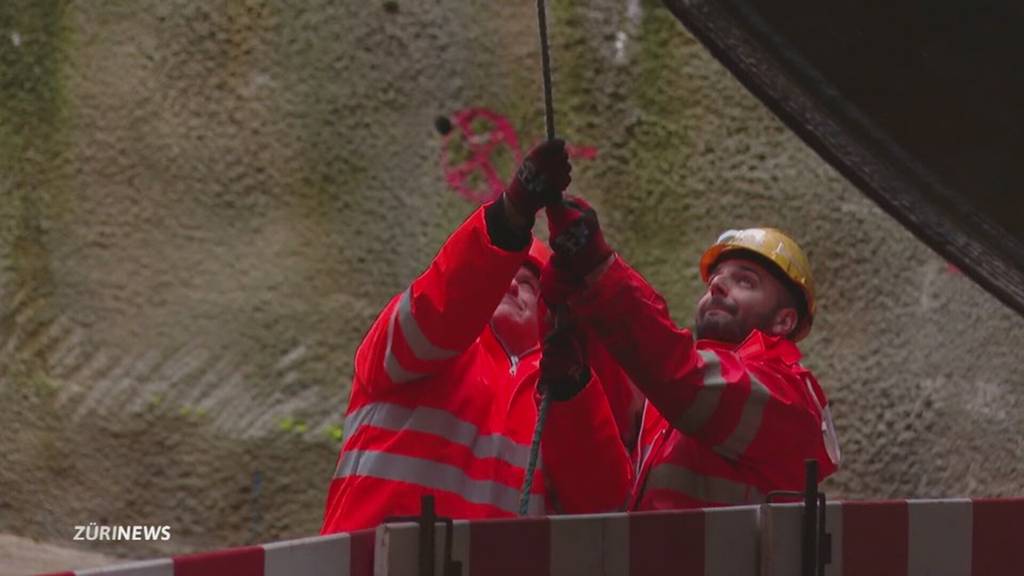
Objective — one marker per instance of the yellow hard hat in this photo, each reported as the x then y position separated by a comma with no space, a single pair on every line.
780,250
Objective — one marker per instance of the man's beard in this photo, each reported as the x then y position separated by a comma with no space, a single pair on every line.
729,328
723,329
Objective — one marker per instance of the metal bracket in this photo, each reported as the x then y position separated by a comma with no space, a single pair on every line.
816,543
426,520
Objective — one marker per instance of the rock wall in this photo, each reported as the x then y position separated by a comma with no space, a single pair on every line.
204,205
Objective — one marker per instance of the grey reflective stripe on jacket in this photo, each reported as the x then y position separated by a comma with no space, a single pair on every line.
429,473
705,402
711,489
421,346
750,420
441,423
436,476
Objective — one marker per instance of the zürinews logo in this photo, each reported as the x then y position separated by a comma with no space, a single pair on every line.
94,532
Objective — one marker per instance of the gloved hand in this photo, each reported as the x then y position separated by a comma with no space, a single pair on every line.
540,180
557,284
563,368
576,238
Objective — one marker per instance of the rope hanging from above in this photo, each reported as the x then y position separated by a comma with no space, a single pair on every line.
545,60
545,399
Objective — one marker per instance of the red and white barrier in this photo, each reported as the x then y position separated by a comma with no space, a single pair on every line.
334,555
711,542
890,538
959,537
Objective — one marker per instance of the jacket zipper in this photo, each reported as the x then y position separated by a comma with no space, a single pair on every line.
641,477
640,456
513,360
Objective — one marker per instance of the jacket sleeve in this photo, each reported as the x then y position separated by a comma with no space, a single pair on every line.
745,412
624,400
427,326
584,459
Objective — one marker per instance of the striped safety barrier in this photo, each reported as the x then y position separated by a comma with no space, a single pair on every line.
348,554
710,542
958,537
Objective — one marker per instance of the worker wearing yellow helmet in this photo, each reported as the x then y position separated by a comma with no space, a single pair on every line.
767,253
731,414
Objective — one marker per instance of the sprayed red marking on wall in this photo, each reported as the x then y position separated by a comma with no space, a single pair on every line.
480,132
469,150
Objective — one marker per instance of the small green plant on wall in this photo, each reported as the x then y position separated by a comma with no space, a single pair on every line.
335,433
293,425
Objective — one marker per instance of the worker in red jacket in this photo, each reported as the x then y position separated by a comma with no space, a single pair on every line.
731,414
442,398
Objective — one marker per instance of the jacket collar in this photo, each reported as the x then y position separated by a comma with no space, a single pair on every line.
758,345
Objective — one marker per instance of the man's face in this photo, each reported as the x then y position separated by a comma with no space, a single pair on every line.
519,305
742,296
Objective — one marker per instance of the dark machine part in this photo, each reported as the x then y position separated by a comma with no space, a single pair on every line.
920,104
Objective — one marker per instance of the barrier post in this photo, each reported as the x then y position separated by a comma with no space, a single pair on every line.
426,522
809,548
815,542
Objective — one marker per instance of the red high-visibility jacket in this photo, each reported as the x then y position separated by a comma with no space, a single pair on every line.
724,424
438,407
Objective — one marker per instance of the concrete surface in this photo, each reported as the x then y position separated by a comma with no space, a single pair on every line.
205,205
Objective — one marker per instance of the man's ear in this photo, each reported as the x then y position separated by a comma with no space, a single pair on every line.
785,322
546,318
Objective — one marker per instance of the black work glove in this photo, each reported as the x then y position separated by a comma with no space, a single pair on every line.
576,238
540,179
563,368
